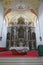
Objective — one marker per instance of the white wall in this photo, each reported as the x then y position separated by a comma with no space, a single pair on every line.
3,27
37,34
39,26
1,20
41,20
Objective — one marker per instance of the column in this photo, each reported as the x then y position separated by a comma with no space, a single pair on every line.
27,36
14,36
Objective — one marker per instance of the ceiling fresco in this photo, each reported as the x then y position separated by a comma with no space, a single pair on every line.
20,4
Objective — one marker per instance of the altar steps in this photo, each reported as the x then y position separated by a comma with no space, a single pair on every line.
21,61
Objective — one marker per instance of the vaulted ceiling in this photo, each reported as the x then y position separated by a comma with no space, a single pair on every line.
25,8
25,3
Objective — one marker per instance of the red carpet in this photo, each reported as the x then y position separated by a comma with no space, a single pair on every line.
9,54
2,48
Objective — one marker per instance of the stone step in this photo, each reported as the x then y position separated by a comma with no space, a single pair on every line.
22,61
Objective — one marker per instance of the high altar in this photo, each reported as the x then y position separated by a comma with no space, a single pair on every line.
21,35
